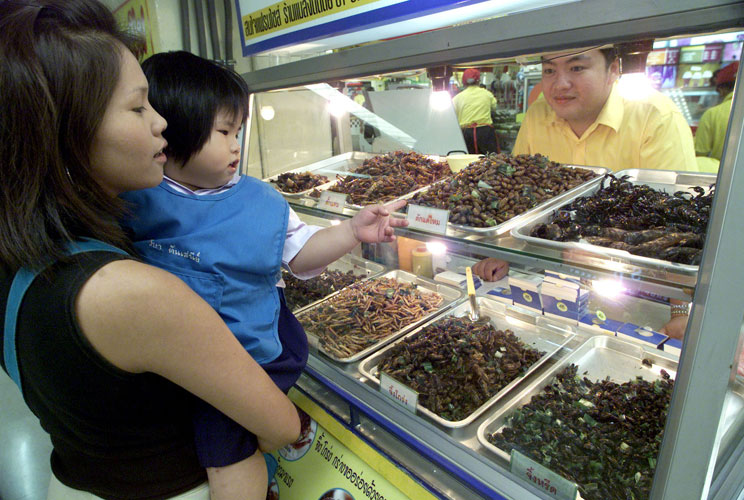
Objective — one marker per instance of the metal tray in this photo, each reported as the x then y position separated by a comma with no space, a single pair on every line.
329,167
539,333
449,295
360,267
329,187
507,225
351,164
600,356
666,180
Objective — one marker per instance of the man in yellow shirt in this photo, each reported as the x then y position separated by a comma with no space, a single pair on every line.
584,120
711,131
473,107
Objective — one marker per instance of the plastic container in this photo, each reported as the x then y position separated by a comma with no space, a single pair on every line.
421,262
457,162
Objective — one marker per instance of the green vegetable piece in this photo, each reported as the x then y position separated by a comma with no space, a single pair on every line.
589,420
585,403
389,293
475,194
652,462
491,222
506,170
495,204
455,197
427,366
484,185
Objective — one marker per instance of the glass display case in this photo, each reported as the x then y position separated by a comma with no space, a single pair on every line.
302,121
693,102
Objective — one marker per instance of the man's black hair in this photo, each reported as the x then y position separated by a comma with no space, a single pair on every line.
610,55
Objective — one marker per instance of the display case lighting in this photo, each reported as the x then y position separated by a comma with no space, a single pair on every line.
267,112
439,101
608,288
635,86
436,248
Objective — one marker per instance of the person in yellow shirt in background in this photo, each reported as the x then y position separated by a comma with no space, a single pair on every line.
711,131
473,107
584,120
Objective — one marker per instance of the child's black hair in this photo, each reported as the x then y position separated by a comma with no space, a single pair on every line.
189,91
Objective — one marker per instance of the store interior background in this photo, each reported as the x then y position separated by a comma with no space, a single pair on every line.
679,67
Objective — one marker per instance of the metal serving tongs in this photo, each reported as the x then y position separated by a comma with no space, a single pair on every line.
474,312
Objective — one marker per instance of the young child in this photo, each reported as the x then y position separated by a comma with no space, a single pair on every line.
227,237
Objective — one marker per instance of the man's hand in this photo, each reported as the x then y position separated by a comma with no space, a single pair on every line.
676,327
491,269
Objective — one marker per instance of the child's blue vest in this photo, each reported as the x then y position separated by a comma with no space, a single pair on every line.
227,247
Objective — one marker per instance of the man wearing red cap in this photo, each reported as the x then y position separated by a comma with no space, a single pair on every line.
711,131
473,107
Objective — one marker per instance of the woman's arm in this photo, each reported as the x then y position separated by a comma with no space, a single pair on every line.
143,319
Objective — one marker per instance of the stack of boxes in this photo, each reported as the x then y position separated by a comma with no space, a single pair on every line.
598,322
525,290
563,297
642,334
672,346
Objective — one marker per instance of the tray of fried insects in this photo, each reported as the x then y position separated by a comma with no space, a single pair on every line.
364,316
494,193
387,177
339,274
302,181
459,367
596,417
650,218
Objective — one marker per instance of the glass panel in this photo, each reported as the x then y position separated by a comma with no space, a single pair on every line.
336,128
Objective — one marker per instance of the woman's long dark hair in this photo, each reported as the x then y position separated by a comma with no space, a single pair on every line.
59,63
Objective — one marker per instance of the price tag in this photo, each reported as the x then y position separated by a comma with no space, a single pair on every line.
429,219
400,393
545,479
331,201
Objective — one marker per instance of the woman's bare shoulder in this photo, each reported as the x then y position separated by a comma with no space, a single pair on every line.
128,310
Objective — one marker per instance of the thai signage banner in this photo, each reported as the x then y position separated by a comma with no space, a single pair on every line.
135,16
329,462
268,24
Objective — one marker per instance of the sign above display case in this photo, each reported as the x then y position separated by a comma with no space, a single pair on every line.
314,26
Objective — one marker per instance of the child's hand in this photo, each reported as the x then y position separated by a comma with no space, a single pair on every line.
373,223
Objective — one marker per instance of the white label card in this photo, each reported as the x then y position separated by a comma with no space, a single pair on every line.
543,478
332,201
400,393
429,219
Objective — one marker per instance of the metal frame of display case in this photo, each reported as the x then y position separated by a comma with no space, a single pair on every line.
687,466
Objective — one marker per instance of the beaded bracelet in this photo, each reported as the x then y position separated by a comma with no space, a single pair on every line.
680,310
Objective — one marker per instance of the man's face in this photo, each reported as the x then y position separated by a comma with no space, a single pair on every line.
577,86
